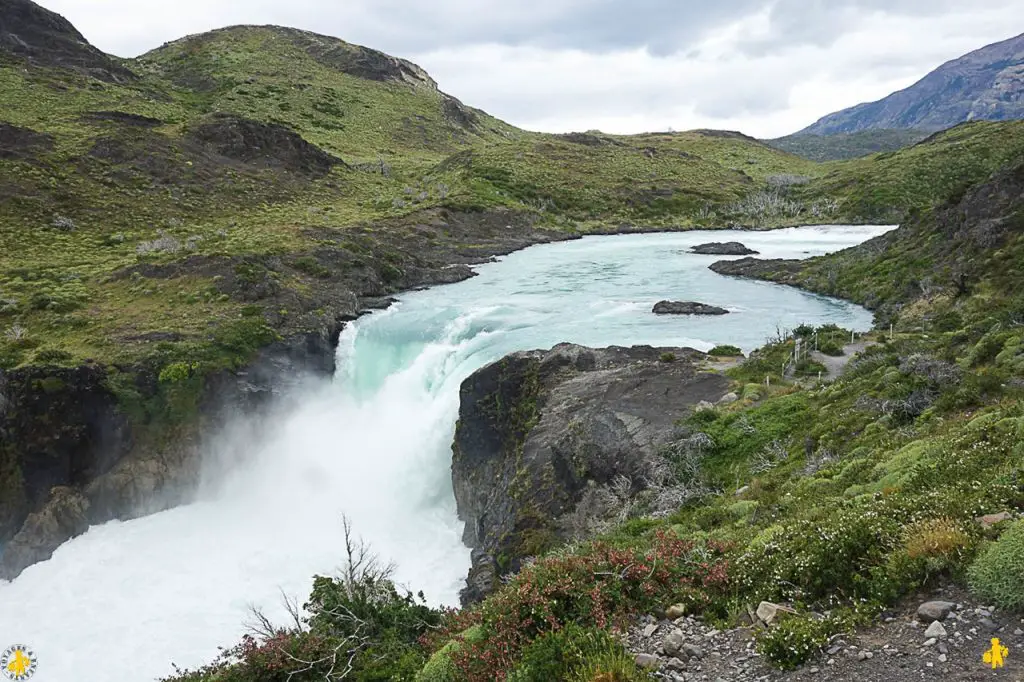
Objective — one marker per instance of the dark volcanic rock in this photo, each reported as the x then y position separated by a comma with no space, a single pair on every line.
64,516
263,143
22,143
58,427
754,267
45,38
687,308
122,117
356,60
545,436
723,249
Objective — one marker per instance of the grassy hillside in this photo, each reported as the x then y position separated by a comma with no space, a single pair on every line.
884,186
256,143
843,146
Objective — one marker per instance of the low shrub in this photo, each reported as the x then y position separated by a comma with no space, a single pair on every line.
997,575
941,541
597,586
567,654
726,351
668,357
831,348
795,639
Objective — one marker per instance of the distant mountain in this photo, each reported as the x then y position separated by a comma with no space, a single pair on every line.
843,146
987,84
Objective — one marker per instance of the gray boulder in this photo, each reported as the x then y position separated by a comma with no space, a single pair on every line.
687,308
934,610
723,249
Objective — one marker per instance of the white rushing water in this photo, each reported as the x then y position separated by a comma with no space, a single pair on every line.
125,600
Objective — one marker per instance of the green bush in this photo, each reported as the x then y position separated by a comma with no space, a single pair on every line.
441,667
51,356
795,639
576,653
668,357
831,348
726,351
178,371
997,575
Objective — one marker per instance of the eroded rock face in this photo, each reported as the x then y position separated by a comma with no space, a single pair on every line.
723,249
58,427
547,439
266,144
71,458
64,516
687,308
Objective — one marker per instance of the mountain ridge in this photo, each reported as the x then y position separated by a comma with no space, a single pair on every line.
985,84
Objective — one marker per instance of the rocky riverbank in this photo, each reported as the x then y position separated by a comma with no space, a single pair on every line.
552,445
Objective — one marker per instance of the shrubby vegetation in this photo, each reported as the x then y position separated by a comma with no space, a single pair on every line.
998,573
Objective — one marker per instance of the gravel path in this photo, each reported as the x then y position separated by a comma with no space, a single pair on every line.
893,649
836,364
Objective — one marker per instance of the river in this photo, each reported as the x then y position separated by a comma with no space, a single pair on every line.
125,600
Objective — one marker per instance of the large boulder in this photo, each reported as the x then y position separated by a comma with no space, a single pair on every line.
687,308
65,515
550,443
723,249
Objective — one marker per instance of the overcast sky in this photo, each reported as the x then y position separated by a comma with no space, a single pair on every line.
765,67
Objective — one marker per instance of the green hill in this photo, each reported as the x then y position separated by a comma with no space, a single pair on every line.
841,146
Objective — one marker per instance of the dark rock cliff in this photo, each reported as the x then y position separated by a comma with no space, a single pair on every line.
72,456
548,442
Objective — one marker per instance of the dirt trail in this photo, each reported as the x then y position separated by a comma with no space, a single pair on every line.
836,365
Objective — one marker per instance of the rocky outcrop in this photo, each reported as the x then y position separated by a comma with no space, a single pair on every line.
64,516
45,38
265,144
22,143
549,444
723,249
71,457
754,267
687,308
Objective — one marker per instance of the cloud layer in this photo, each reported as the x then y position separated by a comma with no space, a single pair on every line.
762,66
